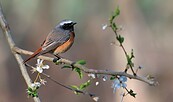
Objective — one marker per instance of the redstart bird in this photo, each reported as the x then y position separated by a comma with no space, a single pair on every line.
59,40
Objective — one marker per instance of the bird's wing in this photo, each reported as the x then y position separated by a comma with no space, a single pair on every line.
54,39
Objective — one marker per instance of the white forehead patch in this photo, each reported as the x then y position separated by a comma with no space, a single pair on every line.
65,22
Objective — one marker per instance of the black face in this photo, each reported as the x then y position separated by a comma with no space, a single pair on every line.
67,25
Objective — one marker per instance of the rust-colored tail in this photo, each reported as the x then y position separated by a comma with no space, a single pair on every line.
33,55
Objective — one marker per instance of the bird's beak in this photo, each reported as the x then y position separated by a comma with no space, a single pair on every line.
74,23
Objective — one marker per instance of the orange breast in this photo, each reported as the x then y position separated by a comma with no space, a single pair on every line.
64,47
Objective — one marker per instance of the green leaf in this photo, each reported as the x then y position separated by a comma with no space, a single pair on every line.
114,15
132,93
57,62
114,26
128,60
81,87
82,62
79,72
75,88
84,85
29,89
35,94
112,77
117,11
32,92
120,39
66,66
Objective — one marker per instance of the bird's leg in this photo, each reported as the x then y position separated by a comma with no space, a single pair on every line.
58,57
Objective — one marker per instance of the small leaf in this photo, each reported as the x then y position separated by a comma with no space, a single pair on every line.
120,39
128,60
29,89
75,87
84,85
112,77
31,92
35,94
132,93
114,26
57,61
82,62
117,11
114,15
79,72
66,66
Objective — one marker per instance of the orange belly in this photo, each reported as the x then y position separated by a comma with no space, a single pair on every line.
64,47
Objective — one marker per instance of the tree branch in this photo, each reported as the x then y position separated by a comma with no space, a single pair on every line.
6,30
87,70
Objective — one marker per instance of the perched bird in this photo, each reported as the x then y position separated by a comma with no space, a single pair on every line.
59,40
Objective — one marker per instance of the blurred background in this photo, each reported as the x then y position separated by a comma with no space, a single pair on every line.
147,26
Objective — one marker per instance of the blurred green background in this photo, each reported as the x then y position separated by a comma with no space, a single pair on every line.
147,27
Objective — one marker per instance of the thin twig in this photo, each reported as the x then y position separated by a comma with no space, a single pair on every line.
67,87
124,50
74,90
6,30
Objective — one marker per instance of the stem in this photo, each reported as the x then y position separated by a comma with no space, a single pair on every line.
38,75
67,87
125,52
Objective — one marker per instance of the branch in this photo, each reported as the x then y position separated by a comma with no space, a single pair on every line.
67,87
87,70
6,30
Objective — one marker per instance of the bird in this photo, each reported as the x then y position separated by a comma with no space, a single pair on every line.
58,41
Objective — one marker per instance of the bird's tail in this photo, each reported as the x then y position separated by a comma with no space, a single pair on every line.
37,52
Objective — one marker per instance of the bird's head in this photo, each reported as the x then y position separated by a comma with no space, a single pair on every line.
67,25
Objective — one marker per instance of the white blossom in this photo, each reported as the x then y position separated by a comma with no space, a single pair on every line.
104,26
40,67
35,85
92,75
96,99
97,83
